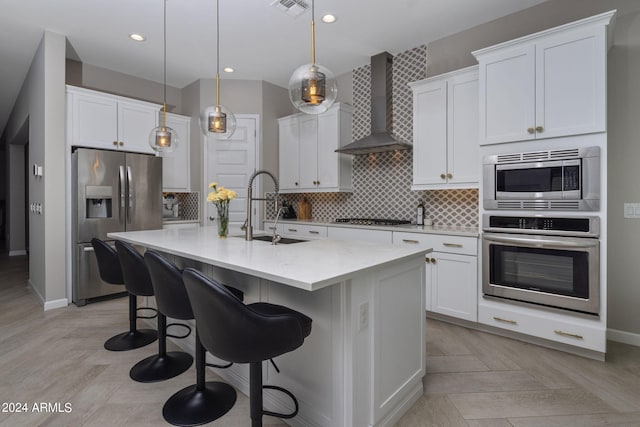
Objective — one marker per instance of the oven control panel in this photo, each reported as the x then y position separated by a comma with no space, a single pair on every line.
542,224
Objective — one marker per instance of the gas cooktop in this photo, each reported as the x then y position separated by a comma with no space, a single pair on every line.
372,221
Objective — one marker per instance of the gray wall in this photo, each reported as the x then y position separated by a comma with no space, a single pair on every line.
454,52
42,101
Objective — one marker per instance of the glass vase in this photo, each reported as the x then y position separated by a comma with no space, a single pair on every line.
223,220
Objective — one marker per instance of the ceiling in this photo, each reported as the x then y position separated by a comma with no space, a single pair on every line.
258,40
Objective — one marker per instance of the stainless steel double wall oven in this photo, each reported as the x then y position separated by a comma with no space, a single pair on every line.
538,255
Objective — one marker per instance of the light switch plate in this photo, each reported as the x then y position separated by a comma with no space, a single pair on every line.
632,210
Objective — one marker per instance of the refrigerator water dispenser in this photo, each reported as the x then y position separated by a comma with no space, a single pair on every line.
98,201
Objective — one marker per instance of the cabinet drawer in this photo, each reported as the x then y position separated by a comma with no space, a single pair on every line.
551,326
439,242
376,236
305,231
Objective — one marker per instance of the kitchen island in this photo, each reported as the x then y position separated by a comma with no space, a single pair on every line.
363,363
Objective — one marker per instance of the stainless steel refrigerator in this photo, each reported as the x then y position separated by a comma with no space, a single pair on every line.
114,191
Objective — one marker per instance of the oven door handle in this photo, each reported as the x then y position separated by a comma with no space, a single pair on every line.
574,243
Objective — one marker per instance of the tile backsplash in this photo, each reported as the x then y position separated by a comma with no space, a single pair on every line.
382,181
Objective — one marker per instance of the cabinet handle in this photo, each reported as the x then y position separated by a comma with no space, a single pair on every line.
121,143
568,334
442,176
272,228
539,129
531,130
318,182
293,230
452,245
295,183
427,260
115,142
500,319
314,232
409,241
449,175
211,218
433,260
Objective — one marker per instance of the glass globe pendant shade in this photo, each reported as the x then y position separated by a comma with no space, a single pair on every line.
163,139
312,88
218,121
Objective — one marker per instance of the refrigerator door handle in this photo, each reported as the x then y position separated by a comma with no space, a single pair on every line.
131,199
122,191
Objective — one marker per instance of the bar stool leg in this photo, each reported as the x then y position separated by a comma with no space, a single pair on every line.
202,402
255,393
134,338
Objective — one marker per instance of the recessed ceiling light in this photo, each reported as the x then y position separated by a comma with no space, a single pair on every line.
228,70
137,37
329,18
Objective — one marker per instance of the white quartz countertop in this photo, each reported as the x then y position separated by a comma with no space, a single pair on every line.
450,230
309,265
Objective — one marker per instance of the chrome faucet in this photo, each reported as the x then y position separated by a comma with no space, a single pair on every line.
247,227
276,237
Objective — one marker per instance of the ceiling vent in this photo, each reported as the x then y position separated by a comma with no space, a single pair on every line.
291,7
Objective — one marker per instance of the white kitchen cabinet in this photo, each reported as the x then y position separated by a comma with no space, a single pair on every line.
365,235
107,121
445,131
451,273
307,144
545,85
175,165
304,231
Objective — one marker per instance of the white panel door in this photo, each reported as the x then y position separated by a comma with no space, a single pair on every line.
507,96
430,134
454,285
308,155
135,123
288,140
327,142
571,84
463,157
230,163
94,121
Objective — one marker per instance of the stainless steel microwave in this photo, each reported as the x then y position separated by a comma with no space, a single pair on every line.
566,179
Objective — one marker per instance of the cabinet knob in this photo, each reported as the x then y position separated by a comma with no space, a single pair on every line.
449,175
295,183
212,218
121,143
433,260
115,142
427,260
318,182
531,130
539,129
442,176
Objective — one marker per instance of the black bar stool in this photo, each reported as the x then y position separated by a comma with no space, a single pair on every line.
243,333
111,272
172,300
204,401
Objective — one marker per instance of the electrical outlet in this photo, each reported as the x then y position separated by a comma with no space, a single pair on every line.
364,316
632,210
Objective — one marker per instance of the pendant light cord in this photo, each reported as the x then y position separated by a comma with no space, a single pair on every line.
313,34
164,105
217,53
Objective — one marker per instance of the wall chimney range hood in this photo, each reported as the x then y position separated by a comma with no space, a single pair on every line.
381,139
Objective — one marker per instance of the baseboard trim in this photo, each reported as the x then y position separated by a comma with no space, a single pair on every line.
56,303
18,252
623,337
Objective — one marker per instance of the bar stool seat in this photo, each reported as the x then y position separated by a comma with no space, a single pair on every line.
111,272
241,333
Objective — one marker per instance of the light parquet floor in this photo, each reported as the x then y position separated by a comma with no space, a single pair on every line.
473,379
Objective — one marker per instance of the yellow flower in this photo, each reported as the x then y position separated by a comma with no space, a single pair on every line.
232,194
213,185
213,197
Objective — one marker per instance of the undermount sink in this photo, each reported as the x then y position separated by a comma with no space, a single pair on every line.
283,240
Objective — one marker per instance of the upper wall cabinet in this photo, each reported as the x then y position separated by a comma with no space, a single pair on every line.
307,144
175,165
445,131
547,84
100,120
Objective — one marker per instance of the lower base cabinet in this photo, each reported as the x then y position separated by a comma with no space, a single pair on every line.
453,285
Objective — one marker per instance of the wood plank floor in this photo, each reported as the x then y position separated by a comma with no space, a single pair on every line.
473,378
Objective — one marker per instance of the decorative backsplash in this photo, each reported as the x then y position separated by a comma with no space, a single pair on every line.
382,181
188,205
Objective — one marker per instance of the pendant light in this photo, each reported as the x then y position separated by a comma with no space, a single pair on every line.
312,87
217,120
162,138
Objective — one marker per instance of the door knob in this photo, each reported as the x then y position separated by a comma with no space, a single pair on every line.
531,130
212,218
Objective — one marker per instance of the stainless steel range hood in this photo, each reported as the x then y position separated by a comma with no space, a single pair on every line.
381,138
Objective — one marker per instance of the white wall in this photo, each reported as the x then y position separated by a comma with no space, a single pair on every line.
42,101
